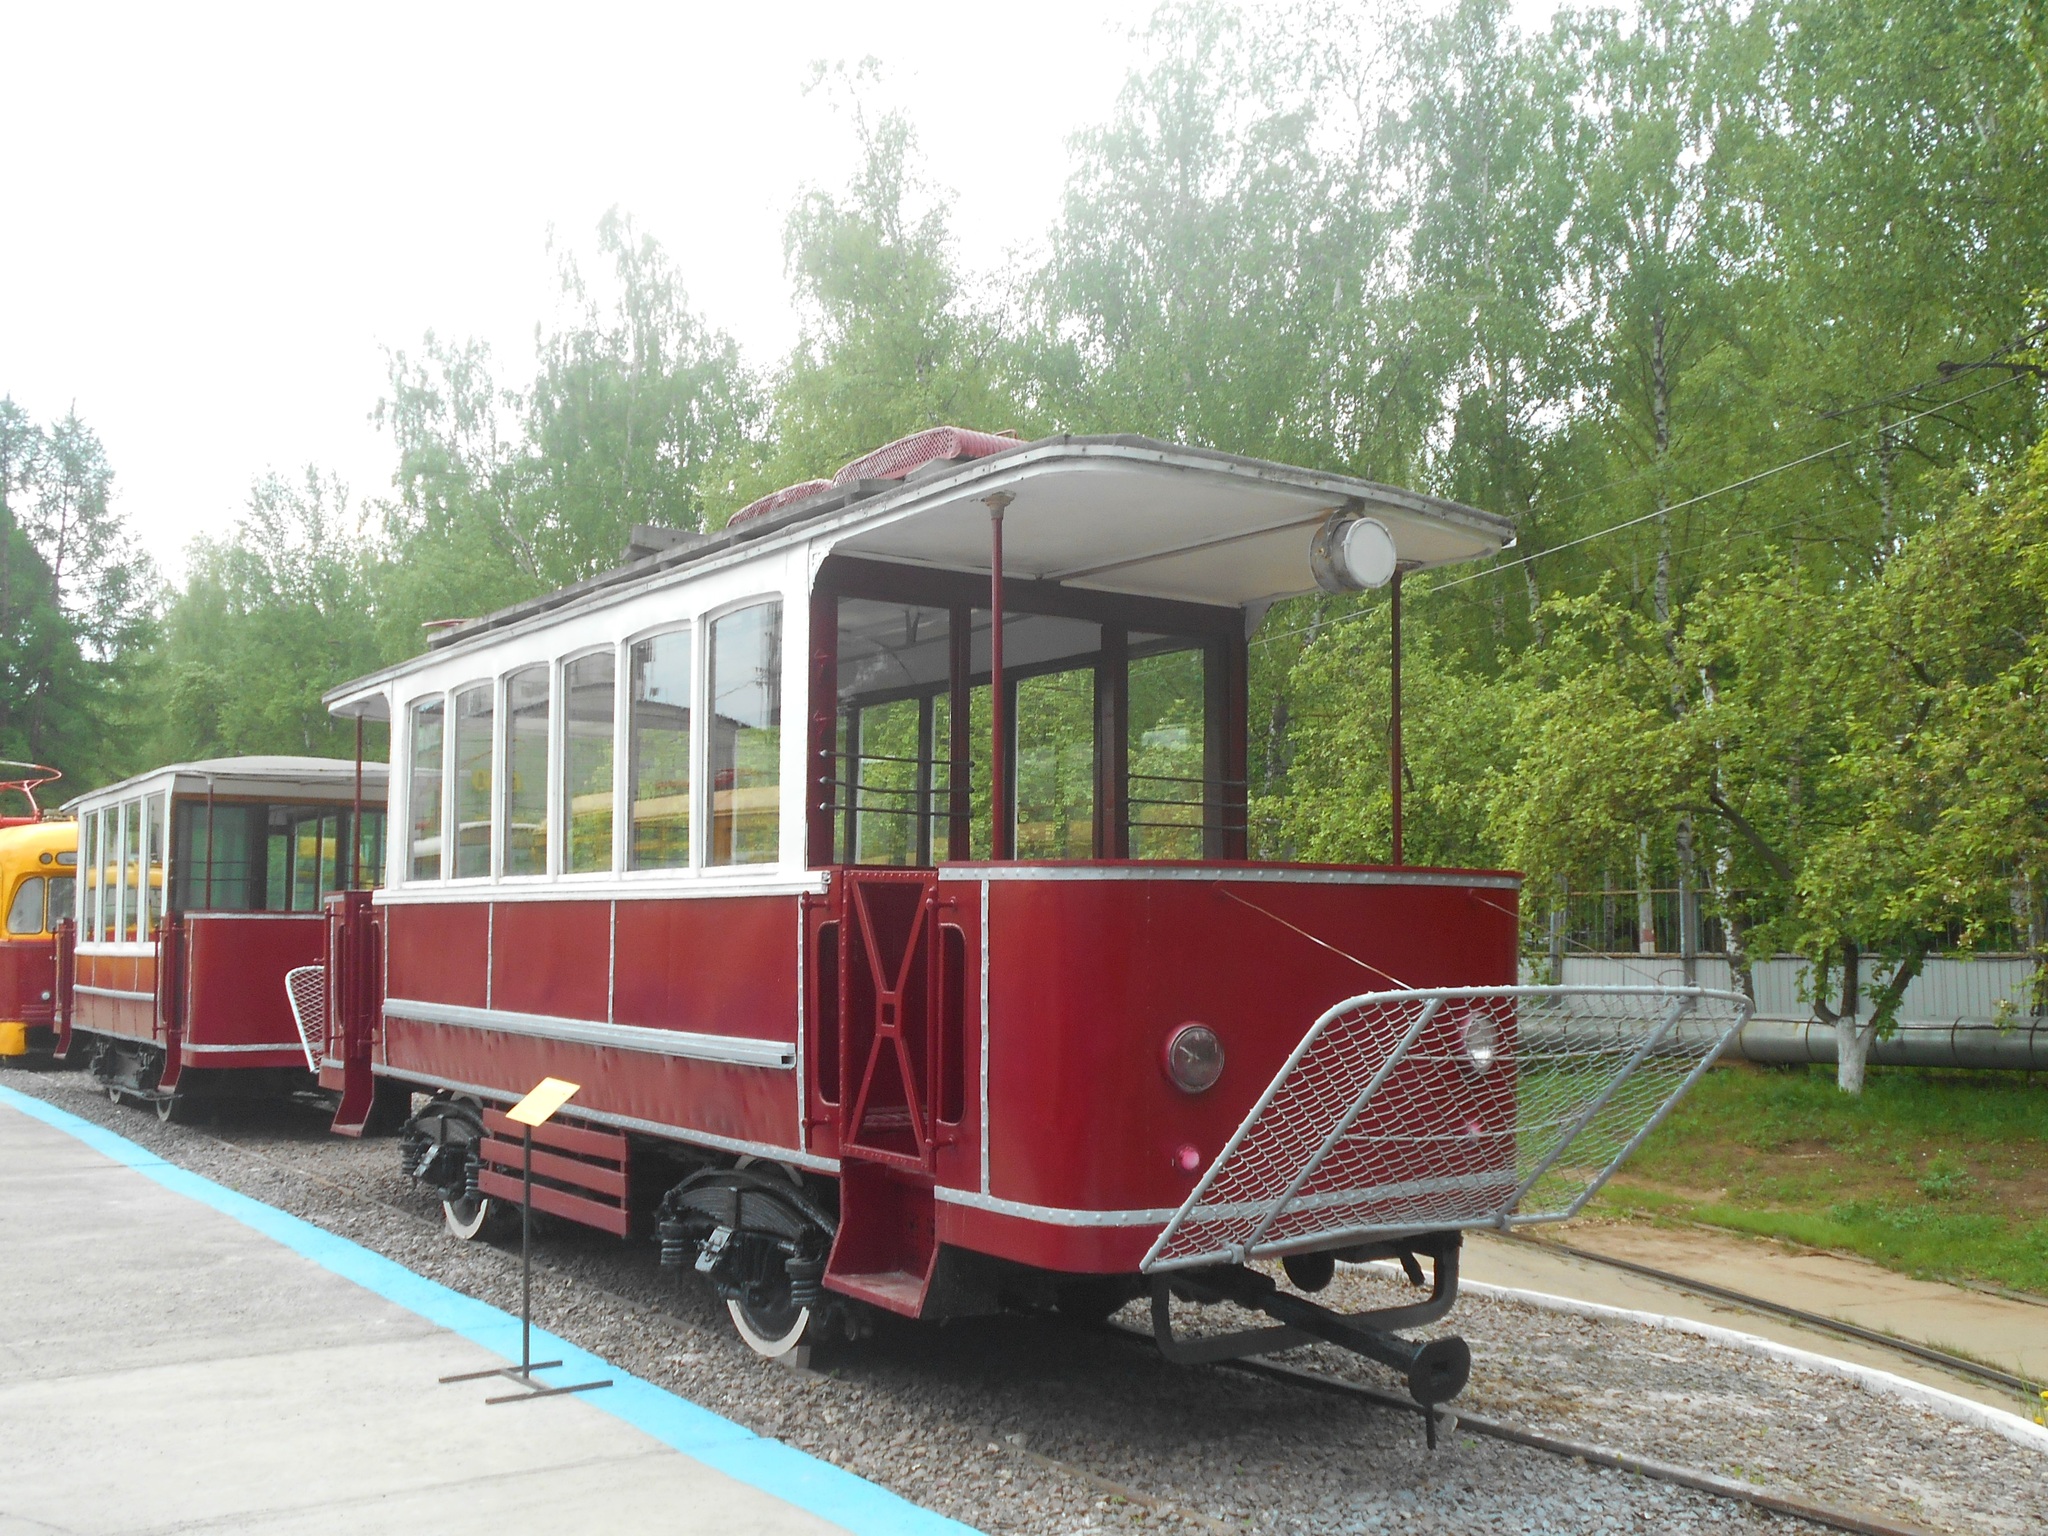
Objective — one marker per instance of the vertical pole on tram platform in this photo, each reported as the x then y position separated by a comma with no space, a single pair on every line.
526,1261
1394,714
355,821
1002,820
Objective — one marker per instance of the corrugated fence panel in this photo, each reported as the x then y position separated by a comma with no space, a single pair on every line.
1949,989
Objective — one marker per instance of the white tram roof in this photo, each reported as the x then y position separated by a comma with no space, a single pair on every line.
1121,514
266,777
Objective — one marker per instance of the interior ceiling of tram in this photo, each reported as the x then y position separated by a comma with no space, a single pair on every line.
1219,537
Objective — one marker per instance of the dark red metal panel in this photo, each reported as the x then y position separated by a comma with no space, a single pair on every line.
550,957
1087,978
28,981
713,966
752,1104
438,951
233,988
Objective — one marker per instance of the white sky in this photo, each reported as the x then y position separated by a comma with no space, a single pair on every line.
214,222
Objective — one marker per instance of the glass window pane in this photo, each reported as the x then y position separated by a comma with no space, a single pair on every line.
369,870
894,671
526,772
587,702
131,867
306,865
746,736
1168,783
1056,766
423,797
110,871
473,782
660,765
63,896
25,912
153,815
88,863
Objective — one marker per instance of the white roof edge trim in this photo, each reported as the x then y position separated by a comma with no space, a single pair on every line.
376,773
995,472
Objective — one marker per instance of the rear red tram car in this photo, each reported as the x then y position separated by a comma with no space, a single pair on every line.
200,886
878,865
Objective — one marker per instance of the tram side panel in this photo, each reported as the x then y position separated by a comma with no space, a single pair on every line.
1087,980
234,1011
693,1003
28,987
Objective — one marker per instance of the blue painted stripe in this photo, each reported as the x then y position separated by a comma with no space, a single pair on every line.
829,1492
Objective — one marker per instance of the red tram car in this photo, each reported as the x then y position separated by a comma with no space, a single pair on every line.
201,887
878,866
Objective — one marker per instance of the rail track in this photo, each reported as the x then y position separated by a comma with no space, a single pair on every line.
1958,1364
1017,1448
1451,1420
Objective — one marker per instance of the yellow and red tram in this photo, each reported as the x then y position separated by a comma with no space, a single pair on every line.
38,861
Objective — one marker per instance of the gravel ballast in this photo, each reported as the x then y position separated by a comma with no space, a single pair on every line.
1032,1425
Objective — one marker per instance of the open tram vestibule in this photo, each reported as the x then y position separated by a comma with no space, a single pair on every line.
1124,722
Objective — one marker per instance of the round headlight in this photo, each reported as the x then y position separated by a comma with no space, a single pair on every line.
1481,1040
1194,1058
1353,554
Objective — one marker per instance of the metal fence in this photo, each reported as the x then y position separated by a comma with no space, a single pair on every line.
1462,1107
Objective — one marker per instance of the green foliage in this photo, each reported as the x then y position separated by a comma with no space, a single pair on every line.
77,600
272,615
891,343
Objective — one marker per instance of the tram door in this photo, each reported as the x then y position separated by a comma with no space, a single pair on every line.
890,1055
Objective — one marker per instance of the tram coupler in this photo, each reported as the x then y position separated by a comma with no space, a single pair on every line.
1435,1369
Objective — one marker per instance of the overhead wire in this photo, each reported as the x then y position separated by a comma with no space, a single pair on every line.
1663,512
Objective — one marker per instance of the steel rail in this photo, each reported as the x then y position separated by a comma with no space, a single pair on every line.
1451,1421
1816,1320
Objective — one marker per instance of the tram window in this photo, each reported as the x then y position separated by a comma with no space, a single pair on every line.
131,867
588,700
659,755
423,792
88,850
526,772
229,876
1056,765
894,661
153,878
368,872
63,893
1168,774
746,736
25,912
473,782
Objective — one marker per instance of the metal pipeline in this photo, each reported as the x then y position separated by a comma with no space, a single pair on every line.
1973,1043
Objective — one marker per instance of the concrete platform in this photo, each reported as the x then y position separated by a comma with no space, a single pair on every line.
2011,1334
175,1356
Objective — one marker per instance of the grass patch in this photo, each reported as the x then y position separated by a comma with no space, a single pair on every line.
1939,1174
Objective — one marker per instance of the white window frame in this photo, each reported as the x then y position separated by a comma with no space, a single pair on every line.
700,744
693,864
451,811
558,841
501,827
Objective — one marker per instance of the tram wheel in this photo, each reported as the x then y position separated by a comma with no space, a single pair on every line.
176,1109
114,1094
468,1217
1310,1271
781,1331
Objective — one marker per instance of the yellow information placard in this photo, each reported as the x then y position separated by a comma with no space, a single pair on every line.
539,1106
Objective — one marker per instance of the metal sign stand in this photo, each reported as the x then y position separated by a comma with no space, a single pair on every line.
537,1108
